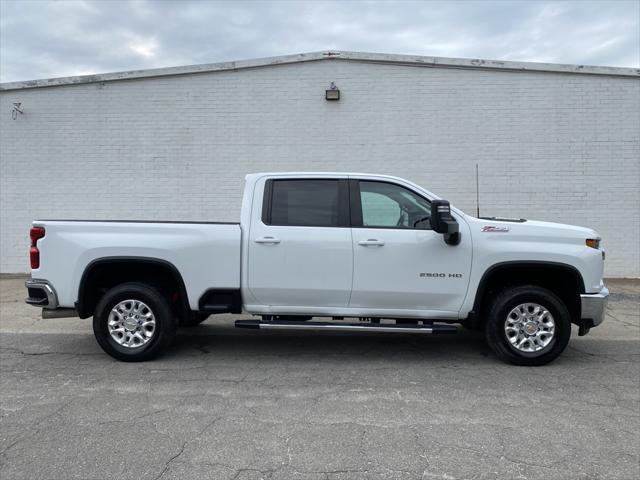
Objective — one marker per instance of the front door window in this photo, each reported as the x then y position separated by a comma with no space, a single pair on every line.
385,205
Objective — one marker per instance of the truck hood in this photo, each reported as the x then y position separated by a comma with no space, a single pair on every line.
571,230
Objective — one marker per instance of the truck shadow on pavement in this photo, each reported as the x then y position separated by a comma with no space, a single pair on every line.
212,339
223,345
466,346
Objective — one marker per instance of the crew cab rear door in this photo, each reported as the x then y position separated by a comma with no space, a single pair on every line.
400,263
300,248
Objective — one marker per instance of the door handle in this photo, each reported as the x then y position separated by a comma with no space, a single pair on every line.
372,242
267,240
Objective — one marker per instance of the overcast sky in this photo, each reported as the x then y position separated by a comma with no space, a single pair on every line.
60,38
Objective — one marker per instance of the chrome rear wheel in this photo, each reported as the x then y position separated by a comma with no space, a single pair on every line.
134,322
131,323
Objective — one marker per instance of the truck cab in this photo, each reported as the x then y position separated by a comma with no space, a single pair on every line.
349,246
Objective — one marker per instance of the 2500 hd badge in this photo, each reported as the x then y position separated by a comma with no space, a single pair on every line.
441,275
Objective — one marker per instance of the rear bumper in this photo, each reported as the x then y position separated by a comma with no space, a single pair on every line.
41,294
594,307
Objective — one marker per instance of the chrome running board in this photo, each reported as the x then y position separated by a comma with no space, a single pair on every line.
347,327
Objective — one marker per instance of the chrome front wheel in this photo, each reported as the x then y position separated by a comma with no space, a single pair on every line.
529,327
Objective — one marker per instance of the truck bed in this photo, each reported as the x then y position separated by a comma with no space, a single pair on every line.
207,254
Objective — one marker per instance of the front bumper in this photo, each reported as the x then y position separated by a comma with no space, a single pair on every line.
594,307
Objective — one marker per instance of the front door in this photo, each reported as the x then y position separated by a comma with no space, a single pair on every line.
399,262
300,249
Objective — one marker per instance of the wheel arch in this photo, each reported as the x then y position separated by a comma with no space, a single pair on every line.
117,269
566,282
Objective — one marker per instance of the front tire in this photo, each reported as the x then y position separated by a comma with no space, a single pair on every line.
133,322
527,325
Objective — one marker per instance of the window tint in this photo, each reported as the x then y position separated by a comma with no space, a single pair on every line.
388,205
304,203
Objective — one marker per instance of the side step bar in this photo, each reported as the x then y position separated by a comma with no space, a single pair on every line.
347,327
59,313
217,308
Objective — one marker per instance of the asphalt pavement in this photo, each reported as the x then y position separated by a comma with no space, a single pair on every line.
239,404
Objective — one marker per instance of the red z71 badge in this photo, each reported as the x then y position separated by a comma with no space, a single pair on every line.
493,228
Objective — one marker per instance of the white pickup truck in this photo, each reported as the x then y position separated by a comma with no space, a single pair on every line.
375,249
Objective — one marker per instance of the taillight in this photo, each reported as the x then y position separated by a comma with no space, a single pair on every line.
593,242
36,234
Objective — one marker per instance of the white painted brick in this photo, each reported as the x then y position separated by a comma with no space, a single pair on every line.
551,146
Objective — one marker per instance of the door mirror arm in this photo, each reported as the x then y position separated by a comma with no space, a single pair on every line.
443,222
417,223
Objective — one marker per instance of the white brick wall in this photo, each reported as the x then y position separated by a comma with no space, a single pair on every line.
551,146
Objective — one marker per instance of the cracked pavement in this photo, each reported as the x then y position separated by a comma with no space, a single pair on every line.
244,405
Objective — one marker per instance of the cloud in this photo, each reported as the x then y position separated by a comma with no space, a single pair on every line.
145,47
48,39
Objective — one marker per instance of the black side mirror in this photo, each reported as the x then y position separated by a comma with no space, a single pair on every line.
443,222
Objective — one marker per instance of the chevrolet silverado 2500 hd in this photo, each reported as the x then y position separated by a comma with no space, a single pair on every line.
377,249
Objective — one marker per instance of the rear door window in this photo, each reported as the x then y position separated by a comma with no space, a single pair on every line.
304,203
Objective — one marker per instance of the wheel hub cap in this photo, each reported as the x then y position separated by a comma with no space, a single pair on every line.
529,327
131,323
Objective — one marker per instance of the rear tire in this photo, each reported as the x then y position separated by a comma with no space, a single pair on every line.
133,322
527,325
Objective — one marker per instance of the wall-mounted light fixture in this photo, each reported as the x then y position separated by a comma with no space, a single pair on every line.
332,93
16,110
